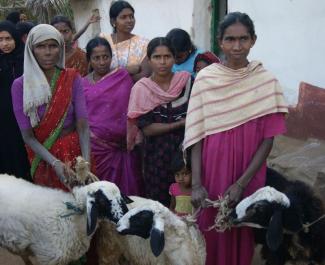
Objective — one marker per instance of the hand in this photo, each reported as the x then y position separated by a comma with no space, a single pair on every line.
182,122
235,193
199,194
94,18
60,170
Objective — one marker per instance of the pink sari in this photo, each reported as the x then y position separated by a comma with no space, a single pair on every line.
107,103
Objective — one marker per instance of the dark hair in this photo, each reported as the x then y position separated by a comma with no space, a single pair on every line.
95,42
178,163
181,40
233,18
61,19
116,8
159,41
13,17
24,27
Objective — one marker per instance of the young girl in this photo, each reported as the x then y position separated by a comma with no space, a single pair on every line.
180,191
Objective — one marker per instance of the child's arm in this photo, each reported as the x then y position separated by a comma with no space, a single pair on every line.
172,205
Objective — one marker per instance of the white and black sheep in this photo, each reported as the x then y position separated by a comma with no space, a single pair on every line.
54,226
285,213
150,234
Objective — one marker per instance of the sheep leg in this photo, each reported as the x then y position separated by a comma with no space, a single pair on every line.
26,260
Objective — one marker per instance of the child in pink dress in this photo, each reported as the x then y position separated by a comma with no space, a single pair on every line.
181,191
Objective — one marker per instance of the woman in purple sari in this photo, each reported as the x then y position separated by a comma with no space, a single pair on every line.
107,95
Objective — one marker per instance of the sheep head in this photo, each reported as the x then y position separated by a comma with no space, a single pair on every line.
264,208
103,201
144,222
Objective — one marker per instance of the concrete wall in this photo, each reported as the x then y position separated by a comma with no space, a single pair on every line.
290,40
153,18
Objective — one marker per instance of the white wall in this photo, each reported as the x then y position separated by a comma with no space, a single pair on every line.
290,39
153,18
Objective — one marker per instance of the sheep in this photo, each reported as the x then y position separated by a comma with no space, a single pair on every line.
150,234
292,221
52,225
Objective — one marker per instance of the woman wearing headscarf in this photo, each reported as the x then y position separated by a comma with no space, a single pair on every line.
203,60
49,105
13,157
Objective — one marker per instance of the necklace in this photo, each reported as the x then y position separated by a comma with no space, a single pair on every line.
119,63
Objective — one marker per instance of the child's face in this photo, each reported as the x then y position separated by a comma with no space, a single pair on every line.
184,178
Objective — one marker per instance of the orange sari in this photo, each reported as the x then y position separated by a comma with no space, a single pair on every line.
78,61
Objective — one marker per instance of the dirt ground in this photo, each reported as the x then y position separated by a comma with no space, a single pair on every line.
8,259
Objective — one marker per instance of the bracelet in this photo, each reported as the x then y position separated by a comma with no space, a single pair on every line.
54,162
239,185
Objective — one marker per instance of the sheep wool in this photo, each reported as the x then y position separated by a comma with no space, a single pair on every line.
35,220
267,193
183,242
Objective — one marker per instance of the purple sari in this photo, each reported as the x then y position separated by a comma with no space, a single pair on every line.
107,102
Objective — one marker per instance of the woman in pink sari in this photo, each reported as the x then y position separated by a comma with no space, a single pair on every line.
107,96
235,110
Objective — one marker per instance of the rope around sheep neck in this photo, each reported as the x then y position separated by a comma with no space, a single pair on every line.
222,224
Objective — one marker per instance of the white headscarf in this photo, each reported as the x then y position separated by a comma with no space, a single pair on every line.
37,90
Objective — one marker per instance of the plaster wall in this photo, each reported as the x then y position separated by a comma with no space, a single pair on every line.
290,40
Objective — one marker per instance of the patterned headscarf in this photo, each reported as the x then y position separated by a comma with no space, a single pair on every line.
208,57
36,87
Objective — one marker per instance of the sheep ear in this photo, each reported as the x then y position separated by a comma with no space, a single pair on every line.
157,237
157,241
126,199
274,234
92,215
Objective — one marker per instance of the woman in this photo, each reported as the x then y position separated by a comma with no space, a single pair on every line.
129,50
235,110
74,56
159,104
13,156
50,108
107,96
203,60
185,50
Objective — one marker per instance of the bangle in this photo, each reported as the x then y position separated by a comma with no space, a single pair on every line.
239,185
54,162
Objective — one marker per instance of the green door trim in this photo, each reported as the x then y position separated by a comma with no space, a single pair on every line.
214,25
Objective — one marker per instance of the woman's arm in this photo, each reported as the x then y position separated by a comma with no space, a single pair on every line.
235,191
39,149
139,71
199,193
83,132
94,18
155,129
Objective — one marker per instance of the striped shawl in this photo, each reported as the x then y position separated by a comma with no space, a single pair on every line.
223,98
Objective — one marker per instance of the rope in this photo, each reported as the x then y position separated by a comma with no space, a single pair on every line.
75,210
305,227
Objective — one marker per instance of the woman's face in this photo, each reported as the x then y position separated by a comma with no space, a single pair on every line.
181,57
47,53
161,61
200,65
236,44
125,21
23,17
100,60
7,43
66,32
